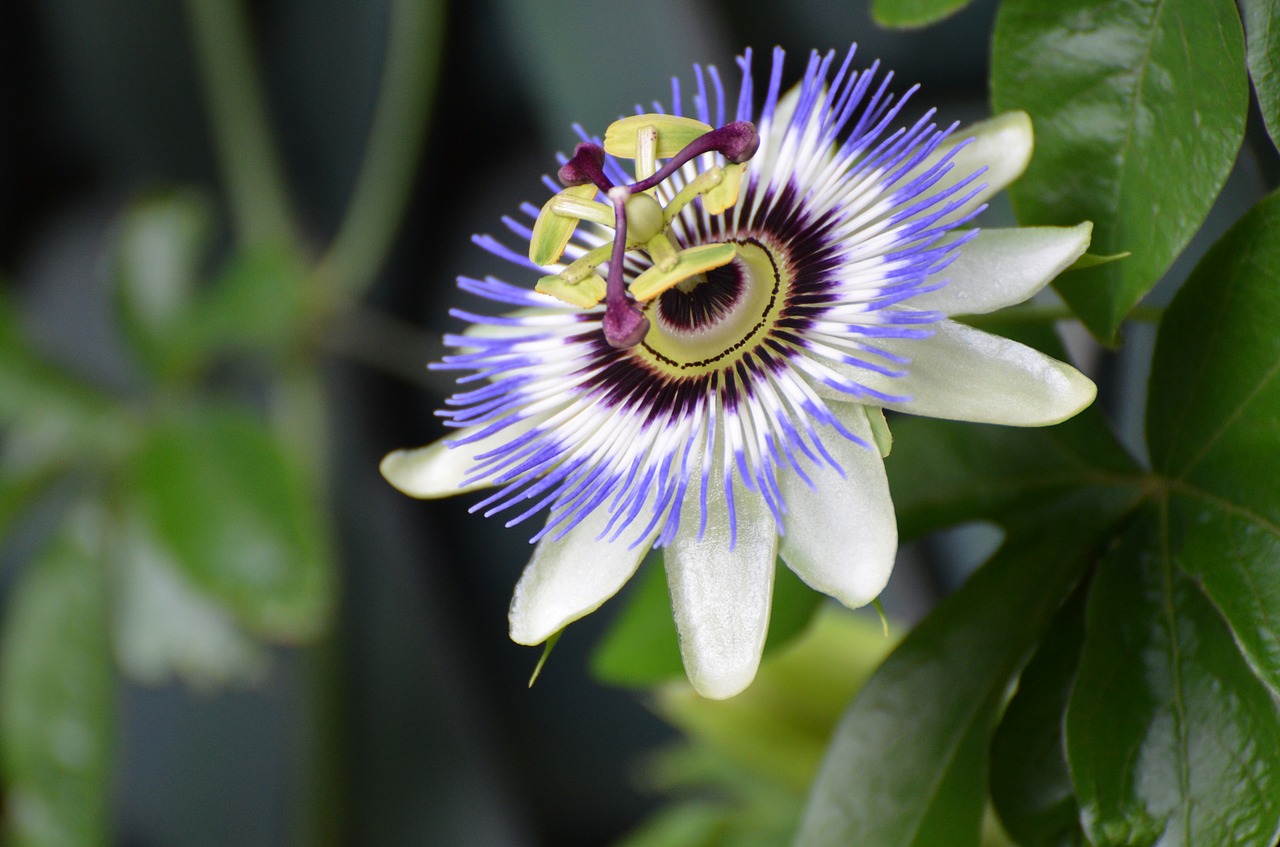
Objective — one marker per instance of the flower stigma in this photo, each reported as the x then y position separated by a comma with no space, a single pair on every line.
639,221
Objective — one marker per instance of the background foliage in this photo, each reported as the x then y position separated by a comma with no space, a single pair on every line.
219,224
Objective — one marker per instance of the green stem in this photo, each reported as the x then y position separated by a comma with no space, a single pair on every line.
399,125
238,114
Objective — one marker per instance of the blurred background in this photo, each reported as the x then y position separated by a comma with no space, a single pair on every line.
228,239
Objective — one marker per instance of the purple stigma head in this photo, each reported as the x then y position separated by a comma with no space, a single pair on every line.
586,166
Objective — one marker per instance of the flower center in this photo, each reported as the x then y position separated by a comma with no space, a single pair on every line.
711,320
639,221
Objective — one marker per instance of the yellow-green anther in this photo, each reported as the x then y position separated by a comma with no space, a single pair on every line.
585,293
691,262
644,218
646,151
583,210
674,134
879,430
663,253
552,230
700,184
725,194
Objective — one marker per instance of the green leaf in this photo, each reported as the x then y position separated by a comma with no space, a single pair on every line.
57,411
1262,30
1170,737
778,728
163,243
912,14
908,764
1030,785
948,472
1213,426
1139,108
642,648
56,695
226,503
258,302
164,627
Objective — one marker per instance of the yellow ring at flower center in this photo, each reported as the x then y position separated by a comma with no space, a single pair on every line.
721,343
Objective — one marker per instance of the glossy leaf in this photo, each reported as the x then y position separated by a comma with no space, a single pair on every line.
225,502
1030,785
1262,31
56,695
1214,430
1139,110
1171,738
642,647
908,764
909,14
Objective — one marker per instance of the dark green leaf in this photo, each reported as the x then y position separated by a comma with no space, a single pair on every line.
56,695
909,14
1262,28
1214,429
1171,738
1139,109
943,473
1030,785
908,764
225,501
642,647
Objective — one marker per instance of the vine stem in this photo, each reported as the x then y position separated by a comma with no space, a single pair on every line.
243,141
384,182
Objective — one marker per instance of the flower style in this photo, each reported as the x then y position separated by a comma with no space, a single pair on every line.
703,363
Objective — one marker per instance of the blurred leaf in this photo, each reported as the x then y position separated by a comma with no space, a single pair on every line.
163,243
1030,784
908,763
1169,735
910,14
1262,30
779,727
56,695
642,648
43,399
1214,430
1139,110
166,628
258,302
692,824
225,502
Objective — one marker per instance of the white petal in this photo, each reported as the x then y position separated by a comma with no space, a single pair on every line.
965,374
438,470
841,535
721,595
1001,144
571,577
1001,267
